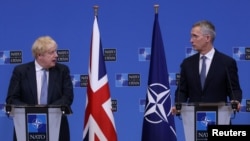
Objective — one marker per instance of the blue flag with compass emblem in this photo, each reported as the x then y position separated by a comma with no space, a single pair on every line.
158,122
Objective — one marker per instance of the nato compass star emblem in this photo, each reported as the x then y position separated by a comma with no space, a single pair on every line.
159,103
37,123
205,121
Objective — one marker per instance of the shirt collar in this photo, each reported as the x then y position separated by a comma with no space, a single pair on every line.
37,66
210,54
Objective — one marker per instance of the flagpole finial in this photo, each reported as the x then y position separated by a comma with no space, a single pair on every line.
96,9
156,6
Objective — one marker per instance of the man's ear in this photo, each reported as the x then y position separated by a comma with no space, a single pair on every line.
208,38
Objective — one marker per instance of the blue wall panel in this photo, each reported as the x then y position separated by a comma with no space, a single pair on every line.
125,26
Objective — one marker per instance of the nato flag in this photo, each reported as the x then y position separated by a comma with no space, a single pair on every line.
158,123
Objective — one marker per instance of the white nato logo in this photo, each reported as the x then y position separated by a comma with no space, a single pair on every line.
37,123
155,108
205,121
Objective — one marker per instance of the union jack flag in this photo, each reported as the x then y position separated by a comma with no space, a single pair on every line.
99,124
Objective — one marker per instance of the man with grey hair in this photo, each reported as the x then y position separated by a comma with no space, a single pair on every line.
208,76
26,84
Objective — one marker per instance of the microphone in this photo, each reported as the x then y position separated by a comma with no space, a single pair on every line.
234,104
178,105
63,109
8,109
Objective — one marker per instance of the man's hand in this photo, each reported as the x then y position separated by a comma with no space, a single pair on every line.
237,105
173,110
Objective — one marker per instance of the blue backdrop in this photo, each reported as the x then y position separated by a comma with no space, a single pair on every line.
126,27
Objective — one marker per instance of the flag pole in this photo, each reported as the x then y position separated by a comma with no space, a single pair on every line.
156,6
96,9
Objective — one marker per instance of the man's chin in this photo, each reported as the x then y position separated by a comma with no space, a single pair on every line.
53,64
195,49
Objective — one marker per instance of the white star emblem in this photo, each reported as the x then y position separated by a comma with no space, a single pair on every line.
156,102
37,123
205,121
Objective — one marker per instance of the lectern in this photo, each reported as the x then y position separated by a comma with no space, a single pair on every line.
196,117
37,123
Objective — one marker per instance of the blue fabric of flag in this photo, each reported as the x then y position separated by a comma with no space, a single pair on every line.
158,122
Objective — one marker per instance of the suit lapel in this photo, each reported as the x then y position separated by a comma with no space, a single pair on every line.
195,69
52,80
31,75
212,69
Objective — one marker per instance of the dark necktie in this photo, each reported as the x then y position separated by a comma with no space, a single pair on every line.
203,71
44,88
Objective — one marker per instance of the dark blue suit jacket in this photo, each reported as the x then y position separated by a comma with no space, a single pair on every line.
221,85
23,89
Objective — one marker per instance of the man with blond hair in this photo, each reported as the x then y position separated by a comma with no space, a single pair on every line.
25,87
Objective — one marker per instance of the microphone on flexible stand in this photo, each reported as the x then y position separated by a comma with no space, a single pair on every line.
234,103
178,105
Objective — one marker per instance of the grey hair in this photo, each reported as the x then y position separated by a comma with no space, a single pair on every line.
207,27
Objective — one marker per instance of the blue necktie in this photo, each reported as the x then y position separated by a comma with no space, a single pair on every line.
44,88
203,71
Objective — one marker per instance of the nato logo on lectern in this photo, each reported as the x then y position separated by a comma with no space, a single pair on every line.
37,127
203,119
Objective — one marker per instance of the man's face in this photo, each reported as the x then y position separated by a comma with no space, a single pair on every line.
49,58
198,39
